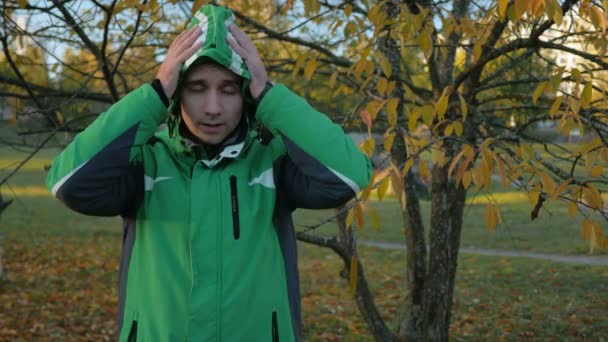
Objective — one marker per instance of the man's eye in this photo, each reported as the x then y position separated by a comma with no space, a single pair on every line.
194,86
230,90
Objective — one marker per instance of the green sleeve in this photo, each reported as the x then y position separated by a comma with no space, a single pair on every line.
112,141
286,113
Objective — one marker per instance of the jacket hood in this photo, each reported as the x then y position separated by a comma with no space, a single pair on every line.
214,21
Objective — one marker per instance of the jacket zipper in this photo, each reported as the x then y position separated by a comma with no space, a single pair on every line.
275,327
133,332
236,228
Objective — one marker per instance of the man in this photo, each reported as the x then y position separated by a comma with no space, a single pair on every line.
209,249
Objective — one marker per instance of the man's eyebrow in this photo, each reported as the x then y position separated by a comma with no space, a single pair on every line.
236,82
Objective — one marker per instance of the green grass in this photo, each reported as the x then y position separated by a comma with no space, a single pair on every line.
554,231
495,298
62,270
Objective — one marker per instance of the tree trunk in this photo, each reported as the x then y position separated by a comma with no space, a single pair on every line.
363,295
411,322
345,247
446,223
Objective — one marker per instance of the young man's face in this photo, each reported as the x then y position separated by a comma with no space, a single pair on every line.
211,102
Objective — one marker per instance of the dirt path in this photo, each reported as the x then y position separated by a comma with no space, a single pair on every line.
572,259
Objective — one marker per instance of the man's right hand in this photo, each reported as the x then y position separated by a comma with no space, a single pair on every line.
182,48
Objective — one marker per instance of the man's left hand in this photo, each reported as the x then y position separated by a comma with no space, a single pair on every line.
243,45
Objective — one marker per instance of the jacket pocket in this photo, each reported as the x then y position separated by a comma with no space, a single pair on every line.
275,327
132,332
234,197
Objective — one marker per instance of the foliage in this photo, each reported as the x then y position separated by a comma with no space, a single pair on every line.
455,89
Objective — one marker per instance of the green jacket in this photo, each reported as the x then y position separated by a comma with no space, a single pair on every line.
209,248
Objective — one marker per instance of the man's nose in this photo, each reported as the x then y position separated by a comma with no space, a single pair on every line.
213,103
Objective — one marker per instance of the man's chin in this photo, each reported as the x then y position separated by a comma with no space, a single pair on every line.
207,140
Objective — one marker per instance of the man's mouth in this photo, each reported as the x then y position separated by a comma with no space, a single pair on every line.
210,128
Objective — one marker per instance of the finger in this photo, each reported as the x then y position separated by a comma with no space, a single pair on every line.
181,36
189,37
241,37
184,55
236,47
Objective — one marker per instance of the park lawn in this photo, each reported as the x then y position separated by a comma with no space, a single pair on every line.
554,231
62,286
62,274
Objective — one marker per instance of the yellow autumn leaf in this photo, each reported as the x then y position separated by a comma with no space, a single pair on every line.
353,274
408,165
332,79
477,50
350,217
442,104
576,74
556,106
466,179
391,111
455,161
535,7
348,9
359,217
390,87
491,217
397,185
413,119
383,188
299,62
60,118
381,86
448,130
502,8
548,182
196,4
587,228
462,168
438,157
426,43
597,18
22,3
309,69
520,7
350,28
464,108
423,168
373,107
538,91
368,146
561,188
534,194
501,170
573,209
586,95
593,198
428,115
385,64
373,217
458,128
388,141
